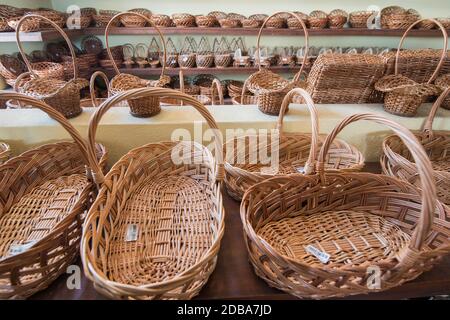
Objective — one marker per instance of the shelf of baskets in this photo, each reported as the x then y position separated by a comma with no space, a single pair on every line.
39,36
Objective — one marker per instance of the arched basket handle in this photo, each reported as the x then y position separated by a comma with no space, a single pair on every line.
428,124
92,86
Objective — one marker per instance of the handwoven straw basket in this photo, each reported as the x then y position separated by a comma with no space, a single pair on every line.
155,229
147,106
404,96
397,161
216,92
295,152
64,96
322,236
46,192
5,152
270,88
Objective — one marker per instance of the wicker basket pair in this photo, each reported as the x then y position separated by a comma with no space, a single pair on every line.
155,229
323,235
46,192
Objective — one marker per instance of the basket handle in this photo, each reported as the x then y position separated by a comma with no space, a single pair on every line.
444,50
156,92
92,86
305,58
428,125
216,86
130,47
310,164
110,24
423,167
61,31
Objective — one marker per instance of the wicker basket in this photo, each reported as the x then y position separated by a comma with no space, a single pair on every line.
403,96
5,152
359,19
337,19
206,21
319,236
386,12
445,22
218,14
102,19
171,55
318,19
275,22
222,53
11,68
234,88
162,20
401,20
175,210
154,53
140,107
31,24
230,23
131,20
64,96
296,153
443,83
397,161
42,214
251,23
268,87
216,92
205,56
184,20
59,18
293,23
187,56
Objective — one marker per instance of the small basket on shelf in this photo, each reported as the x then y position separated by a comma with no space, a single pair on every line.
154,53
359,19
222,53
218,15
293,23
187,56
215,98
30,25
129,53
183,20
103,17
206,21
131,21
10,68
318,19
162,21
141,55
386,12
275,22
205,56
402,19
171,55
337,19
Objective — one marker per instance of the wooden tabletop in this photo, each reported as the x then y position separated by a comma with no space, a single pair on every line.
234,278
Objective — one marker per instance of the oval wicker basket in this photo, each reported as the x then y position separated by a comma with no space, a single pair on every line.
143,107
102,19
337,19
206,21
10,68
183,20
397,161
318,19
41,215
175,210
5,152
297,153
316,236
358,19
204,56
162,20
31,24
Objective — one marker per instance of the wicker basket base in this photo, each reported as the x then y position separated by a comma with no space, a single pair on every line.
401,104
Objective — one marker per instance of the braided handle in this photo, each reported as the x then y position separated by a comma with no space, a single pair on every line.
61,31
92,86
110,24
444,50
305,58
310,163
428,125
157,92
424,169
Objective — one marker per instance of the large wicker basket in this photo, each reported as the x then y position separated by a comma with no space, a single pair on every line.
46,192
270,88
155,229
297,153
5,151
397,160
323,235
147,106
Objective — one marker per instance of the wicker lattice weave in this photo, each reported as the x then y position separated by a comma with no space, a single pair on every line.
5,152
177,209
397,161
360,220
297,153
45,193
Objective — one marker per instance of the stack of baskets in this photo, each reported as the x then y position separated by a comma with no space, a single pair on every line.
395,17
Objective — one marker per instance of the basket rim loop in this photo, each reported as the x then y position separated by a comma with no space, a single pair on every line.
427,126
92,86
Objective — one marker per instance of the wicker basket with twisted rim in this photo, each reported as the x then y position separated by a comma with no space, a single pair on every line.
397,160
45,194
62,95
316,236
404,96
174,207
143,107
296,153
270,88
5,151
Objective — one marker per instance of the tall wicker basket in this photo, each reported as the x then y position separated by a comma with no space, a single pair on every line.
155,229
45,194
144,107
289,152
398,162
321,236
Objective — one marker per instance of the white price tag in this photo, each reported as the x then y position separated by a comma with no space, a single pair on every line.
132,233
15,249
322,256
300,169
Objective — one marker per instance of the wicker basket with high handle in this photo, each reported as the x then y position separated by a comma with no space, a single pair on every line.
5,151
147,106
403,96
62,95
270,88
187,55
155,229
398,162
222,53
45,194
289,153
321,236
205,55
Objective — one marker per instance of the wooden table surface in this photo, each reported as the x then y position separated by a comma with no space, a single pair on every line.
234,278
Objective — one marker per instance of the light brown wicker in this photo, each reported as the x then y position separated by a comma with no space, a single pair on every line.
359,19
187,55
445,22
208,21
204,56
270,88
251,23
293,23
59,18
398,162
183,20
404,96
162,20
46,192
222,53
64,96
214,96
318,19
144,107
443,82
218,14
230,23
5,152
337,19
401,20
174,208
141,55
10,68
294,152
275,22
102,19
321,236
31,24
386,12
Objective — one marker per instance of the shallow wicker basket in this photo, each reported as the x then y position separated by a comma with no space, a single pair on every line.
317,19
5,152
358,19
10,68
398,162
183,20
216,92
386,12
103,17
218,14
319,236
162,20
290,153
31,24
203,21
230,23
171,210
402,20
205,56
443,82
41,215
293,23
143,107
337,19
131,20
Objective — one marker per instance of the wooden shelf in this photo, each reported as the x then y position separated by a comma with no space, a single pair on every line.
39,36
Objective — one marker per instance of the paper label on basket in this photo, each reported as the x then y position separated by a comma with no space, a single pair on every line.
19,248
132,233
322,256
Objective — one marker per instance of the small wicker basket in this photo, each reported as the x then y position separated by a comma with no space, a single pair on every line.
337,19
318,19
187,56
183,20
205,56
208,21
102,19
162,21
222,53
359,19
